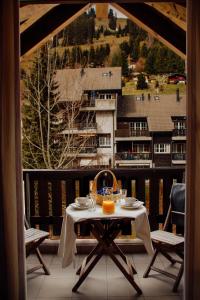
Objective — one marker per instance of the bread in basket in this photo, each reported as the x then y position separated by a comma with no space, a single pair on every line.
101,195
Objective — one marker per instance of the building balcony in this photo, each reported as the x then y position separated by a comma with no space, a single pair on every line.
179,158
81,128
125,134
123,159
179,134
99,105
133,156
86,151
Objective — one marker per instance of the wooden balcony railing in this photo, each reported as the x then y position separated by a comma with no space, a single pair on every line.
178,156
126,132
48,192
89,149
89,102
84,126
179,132
133,156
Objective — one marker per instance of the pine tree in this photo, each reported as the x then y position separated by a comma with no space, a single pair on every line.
150,66
107,49
124,65
124,46
112,20
141,83
144,51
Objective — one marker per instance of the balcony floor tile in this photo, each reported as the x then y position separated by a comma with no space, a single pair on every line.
105,282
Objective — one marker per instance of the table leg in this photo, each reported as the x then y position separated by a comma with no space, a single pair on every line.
86,270
105,236
88,258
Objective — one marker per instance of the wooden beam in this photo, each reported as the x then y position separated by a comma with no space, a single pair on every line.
157,25
32,13
24,2
48,26
192,244
176,13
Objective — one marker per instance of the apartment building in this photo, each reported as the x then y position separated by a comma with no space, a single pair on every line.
90,116
151,131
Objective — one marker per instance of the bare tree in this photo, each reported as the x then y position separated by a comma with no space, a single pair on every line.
51,129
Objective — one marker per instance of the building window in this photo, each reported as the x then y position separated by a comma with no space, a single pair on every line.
156,98
141,148
104,140
162,148
137,126
179,148
105,96
179,125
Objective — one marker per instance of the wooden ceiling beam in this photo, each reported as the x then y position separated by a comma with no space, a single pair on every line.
175,12
158,25
48,25
31,13
25,2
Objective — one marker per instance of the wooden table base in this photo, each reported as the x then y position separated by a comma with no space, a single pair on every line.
105,235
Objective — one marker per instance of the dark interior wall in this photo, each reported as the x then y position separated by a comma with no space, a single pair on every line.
12,268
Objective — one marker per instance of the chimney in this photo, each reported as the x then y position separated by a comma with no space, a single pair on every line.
177,95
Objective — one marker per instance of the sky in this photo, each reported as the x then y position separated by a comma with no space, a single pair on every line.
119,14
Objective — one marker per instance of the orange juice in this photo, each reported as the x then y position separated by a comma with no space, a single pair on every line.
108,207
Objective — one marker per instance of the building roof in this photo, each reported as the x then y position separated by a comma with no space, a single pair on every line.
72,82
159,113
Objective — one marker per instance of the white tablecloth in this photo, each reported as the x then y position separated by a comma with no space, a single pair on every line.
67,246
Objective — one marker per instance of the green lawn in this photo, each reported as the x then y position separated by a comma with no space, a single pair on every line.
167,89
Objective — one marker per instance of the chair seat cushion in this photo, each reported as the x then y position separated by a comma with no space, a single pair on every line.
33,234
166,237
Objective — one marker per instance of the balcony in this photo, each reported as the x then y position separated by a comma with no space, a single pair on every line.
48,192
125,134
179,158
133,159
67,184
88,102
105,282
133,156
99,105
179,134
81,128
86,151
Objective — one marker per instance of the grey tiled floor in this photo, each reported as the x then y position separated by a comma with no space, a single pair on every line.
104,282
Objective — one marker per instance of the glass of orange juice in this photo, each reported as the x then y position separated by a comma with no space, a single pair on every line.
108,207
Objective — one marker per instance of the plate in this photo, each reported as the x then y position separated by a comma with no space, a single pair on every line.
135,205
79,207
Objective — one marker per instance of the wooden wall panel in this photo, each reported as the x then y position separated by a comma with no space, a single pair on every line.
192,257
12,268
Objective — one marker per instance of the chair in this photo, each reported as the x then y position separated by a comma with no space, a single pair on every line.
165,242
33,238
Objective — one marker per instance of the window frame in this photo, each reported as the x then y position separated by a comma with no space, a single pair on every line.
162,148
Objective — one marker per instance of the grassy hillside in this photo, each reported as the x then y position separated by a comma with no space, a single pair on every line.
111,40
166,89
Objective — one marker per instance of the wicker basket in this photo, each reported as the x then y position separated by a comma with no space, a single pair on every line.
99,198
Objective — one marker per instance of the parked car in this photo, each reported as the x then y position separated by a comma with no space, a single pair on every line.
176,78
